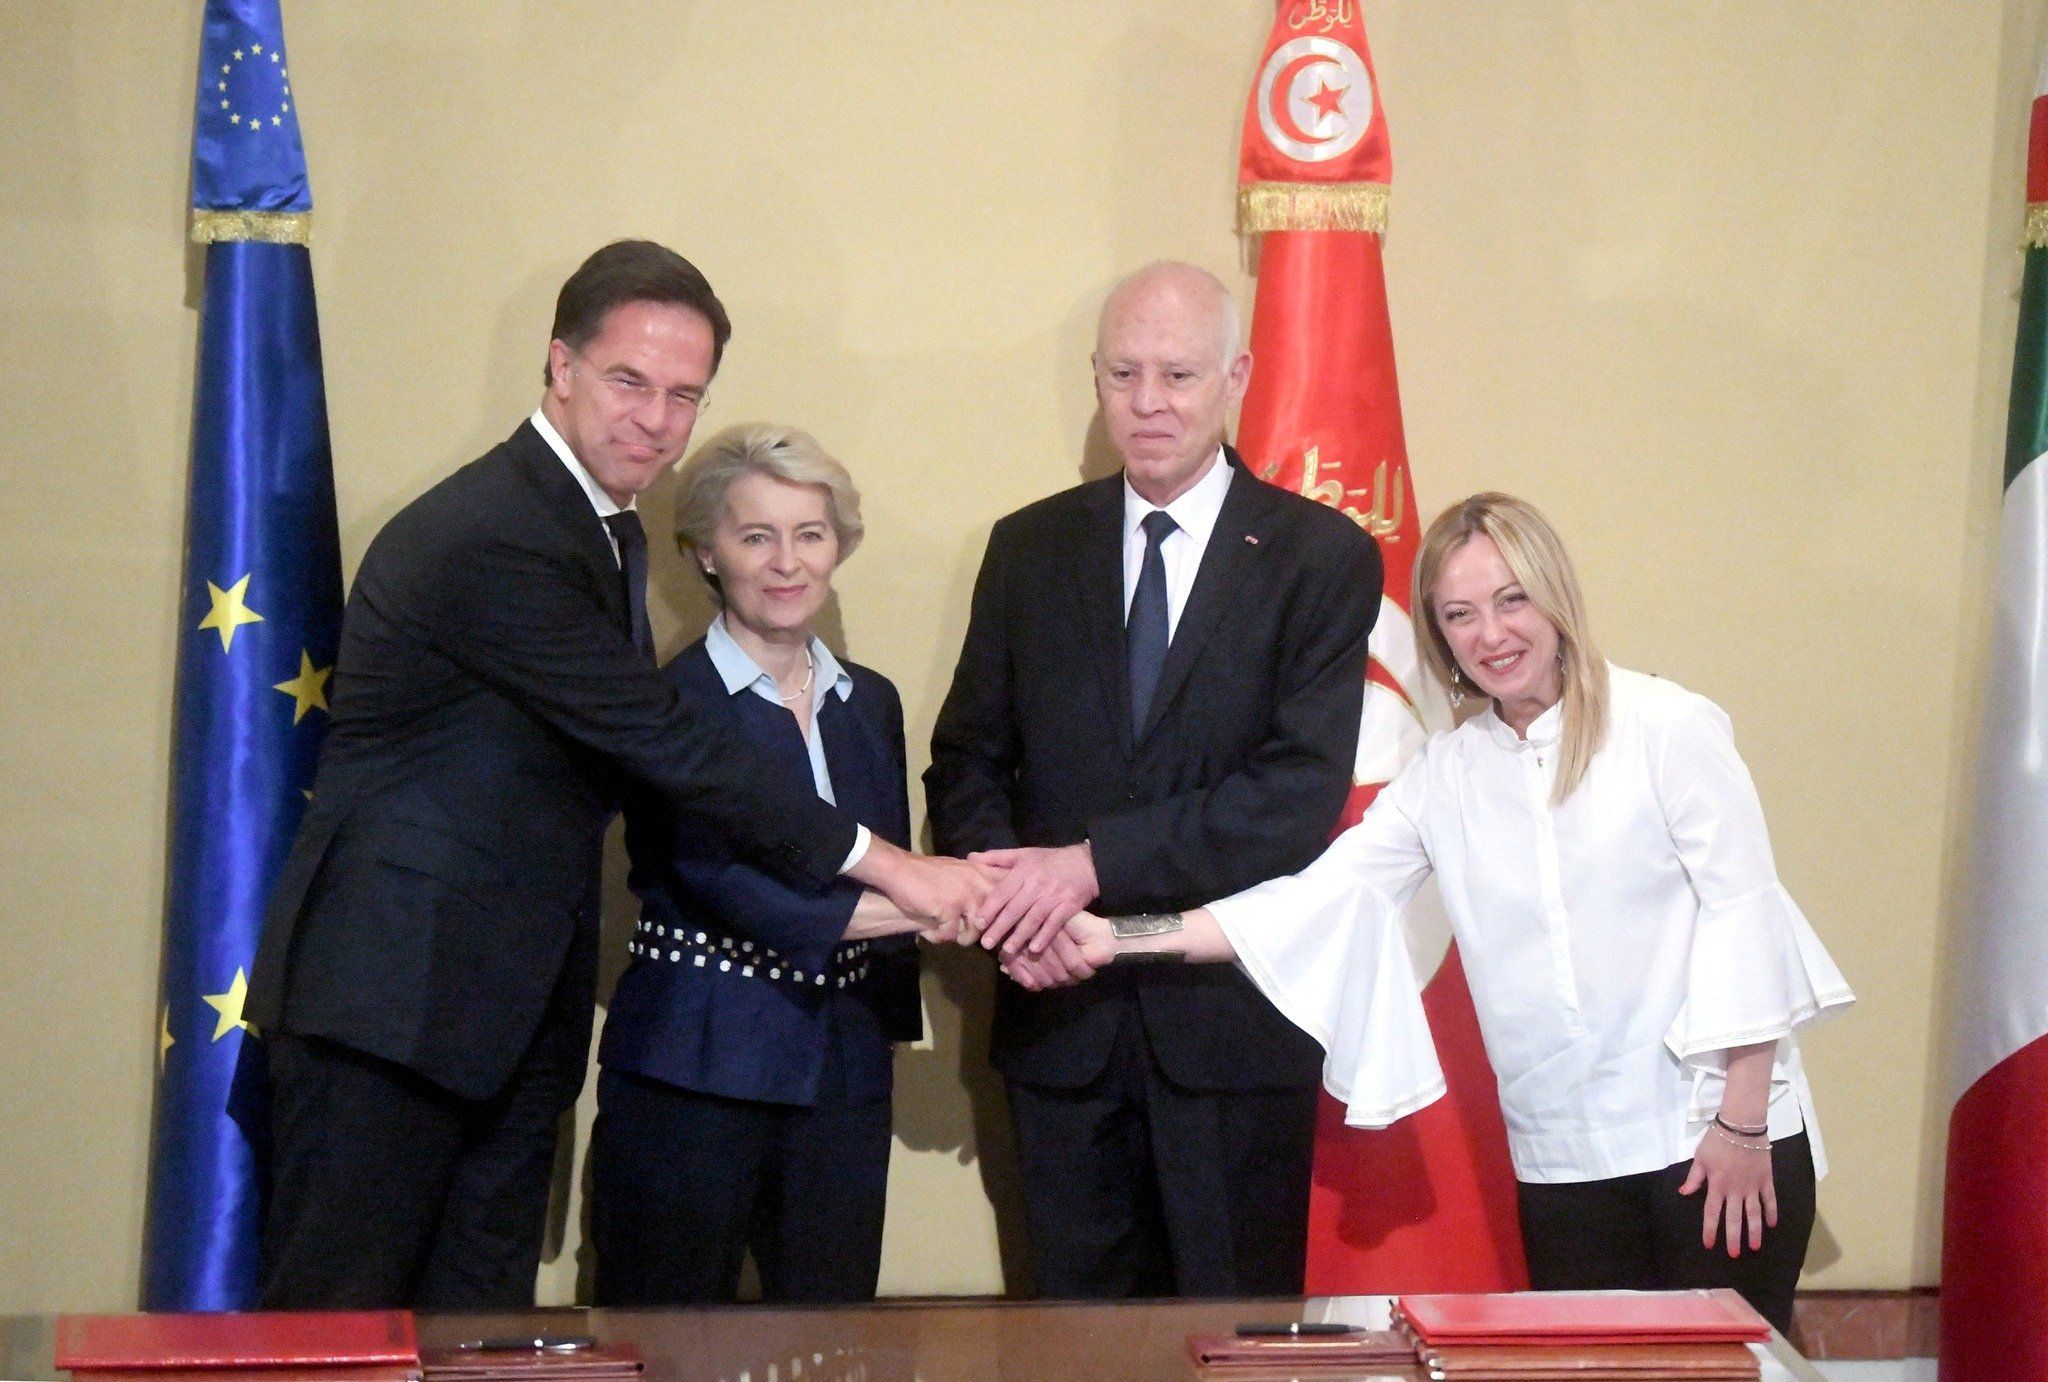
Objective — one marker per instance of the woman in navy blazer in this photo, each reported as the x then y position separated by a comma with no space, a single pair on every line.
744,1101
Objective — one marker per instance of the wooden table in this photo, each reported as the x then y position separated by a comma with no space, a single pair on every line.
907,1341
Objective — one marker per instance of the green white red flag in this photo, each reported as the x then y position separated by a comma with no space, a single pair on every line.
1994,1267
1428,1204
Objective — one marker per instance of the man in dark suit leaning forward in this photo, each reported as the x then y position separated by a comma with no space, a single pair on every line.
426,970
1157,704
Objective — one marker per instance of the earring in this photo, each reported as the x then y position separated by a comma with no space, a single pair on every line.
1457,688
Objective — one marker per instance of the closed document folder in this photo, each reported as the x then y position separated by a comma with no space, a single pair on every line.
353,1343
1579,1362
1582,1317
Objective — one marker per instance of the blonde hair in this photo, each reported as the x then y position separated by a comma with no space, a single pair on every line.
1537,559
760,448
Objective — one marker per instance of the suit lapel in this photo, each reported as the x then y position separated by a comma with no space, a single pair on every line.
1233,547
849,756
565,502
1099,587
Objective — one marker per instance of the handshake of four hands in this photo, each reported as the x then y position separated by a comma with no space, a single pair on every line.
1027,904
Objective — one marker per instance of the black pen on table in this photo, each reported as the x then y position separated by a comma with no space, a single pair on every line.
1295,1329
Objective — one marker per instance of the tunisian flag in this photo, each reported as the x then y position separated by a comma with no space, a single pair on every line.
1994,1258
1428,1204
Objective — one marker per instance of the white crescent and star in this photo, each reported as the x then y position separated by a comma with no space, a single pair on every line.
1286,86
1315,99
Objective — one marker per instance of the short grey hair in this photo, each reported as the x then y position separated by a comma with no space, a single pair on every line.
761,448
1229,321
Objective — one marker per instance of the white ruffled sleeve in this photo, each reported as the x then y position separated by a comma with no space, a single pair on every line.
1326,946
1757,970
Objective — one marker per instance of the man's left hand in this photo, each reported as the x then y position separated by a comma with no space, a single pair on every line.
1039,891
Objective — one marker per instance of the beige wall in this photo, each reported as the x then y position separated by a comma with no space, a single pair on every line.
1726,286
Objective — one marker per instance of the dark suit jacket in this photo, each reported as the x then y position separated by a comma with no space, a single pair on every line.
1237,777
487,701
752,1021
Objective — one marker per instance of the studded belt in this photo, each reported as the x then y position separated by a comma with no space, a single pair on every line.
683,945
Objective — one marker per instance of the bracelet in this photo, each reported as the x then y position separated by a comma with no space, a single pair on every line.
1740,1130
1139,924
1148,957
1716,1129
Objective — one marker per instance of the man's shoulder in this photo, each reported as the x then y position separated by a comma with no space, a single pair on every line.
1059,513
1311,542
497,487
1321,523
510,467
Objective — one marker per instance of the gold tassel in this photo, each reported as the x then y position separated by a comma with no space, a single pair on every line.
2037,225
1264,206
269,227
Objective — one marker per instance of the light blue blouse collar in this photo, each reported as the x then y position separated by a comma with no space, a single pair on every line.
740,672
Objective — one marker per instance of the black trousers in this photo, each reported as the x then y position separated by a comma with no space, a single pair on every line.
387,1191
1134,1186
1637,1232
683,1184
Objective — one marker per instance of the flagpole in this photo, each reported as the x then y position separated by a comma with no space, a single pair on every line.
1428,1204
259,618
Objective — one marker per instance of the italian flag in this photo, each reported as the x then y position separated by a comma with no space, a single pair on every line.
1994,1267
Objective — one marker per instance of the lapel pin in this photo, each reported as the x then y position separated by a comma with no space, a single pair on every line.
1250,541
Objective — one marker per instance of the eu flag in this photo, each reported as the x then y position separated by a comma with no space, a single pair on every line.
258,623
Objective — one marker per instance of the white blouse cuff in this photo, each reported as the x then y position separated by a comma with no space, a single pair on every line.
1349,985
1757,971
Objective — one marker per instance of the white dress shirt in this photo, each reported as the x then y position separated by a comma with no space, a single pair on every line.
738,670
605,507
1617,945
1194,515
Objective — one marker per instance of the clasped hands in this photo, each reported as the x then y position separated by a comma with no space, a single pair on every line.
1032,914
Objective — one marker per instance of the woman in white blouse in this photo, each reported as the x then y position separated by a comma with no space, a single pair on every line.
1637,968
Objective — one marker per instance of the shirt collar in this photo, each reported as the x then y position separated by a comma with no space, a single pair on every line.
1194,513
738,670
605,505
1543,730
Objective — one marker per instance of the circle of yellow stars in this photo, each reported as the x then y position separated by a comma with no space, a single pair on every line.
228,611
255,52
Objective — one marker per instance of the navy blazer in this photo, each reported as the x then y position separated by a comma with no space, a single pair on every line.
734,986
1237,775
443,887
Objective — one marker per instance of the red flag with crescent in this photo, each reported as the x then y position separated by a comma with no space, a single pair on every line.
1428,1204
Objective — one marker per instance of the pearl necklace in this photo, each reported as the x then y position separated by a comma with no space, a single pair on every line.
810,671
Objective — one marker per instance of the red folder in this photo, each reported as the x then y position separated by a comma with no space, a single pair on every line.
222,1342
299,1372
1367,1352
1583,1317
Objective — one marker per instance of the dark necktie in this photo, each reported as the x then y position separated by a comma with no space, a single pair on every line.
1145,631
632,540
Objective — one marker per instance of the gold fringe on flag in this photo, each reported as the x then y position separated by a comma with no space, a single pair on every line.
1264,206
2037,225
269,227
